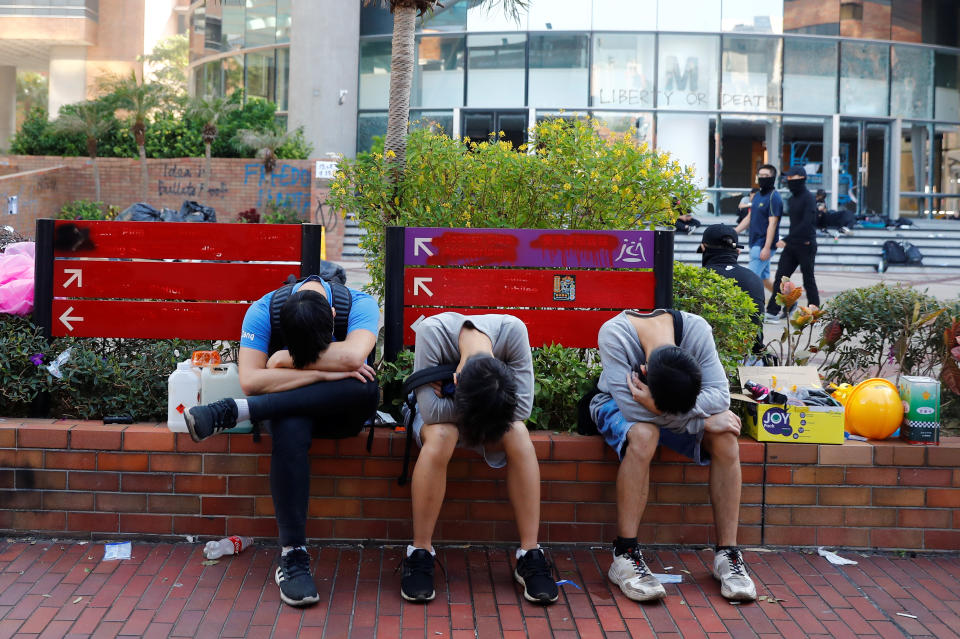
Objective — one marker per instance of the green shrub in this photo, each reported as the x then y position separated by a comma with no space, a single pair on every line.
725,306
576,179
84,210
100,377
877,338
281,213
561,376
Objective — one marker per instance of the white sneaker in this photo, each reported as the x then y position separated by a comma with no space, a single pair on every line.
729,569
771,318
845,231
630,572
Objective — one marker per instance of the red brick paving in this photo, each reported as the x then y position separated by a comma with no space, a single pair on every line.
165,591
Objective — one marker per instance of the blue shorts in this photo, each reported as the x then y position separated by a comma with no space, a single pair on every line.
758,266
613,427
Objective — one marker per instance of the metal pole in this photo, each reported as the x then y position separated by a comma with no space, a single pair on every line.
663,268
311,249
393,293
43,277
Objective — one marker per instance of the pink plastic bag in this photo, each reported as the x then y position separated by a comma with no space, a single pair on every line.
16,278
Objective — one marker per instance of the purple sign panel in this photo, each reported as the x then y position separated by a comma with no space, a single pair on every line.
545,248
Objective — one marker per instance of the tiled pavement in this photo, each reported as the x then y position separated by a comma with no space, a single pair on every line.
64,589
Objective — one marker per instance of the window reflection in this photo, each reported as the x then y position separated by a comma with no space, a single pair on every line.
863,78
261,23
452,16
622,70
689,15
815,17
490,16
558,70
688,72
689,139
617,123
751,74
497,66
438,76
809,76
554,15
368,126
757,16
260,75
947,82
374,74
911,82
624,15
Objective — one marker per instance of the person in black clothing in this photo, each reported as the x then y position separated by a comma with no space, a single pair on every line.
800,244
720,251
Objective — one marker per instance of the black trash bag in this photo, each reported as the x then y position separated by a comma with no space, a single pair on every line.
139,212
195,212
171,215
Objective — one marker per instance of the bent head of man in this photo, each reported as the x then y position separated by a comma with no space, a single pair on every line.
674,379
486,400
306,320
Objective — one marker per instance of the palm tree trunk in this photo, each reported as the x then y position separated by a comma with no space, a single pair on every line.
144,175
401,78
208,167
96,180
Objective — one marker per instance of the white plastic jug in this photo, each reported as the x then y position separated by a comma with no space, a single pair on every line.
183,393
219,382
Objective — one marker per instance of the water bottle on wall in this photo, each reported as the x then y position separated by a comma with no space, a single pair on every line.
183,393
226,546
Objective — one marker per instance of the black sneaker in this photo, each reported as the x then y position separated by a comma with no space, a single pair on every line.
416,584
293,577
534,574
210,419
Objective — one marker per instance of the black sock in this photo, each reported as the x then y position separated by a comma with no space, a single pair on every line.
722,548
622,544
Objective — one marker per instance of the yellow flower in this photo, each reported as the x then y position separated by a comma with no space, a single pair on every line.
390,154
566,186
615,188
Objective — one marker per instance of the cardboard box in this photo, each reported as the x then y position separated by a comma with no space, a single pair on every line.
788,424
921,409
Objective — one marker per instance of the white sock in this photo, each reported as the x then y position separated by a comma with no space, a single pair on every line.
243,410
286,549
521,552
410,550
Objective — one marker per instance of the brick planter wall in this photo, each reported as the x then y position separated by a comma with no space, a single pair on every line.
86,478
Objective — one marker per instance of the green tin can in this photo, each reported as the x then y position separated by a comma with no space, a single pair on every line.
921,409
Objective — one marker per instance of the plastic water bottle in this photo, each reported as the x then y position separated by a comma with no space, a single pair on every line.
183,393
227,546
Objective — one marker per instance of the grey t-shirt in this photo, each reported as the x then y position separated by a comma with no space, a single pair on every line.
620,353
438,343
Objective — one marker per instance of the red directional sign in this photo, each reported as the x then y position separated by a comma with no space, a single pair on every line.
159,320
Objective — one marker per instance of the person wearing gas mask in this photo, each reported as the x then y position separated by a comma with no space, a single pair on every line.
763,222
800,244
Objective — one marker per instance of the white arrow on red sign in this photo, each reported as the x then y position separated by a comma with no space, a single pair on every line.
76,275
420,243
419,283
66,319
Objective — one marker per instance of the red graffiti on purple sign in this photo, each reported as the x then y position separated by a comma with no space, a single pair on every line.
584,247
471,249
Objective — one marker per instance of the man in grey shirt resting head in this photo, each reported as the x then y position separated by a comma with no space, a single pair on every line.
662,383
493,396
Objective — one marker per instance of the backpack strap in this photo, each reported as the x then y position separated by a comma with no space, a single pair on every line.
342,301
441,373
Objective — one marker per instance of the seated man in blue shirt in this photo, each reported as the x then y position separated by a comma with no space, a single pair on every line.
315,387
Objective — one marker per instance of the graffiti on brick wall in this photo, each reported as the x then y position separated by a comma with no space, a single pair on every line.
188,182
287,186
27,192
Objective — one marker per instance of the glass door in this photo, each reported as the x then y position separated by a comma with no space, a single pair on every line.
865,157
481,124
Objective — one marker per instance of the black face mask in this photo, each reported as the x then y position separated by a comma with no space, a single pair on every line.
712,253
765,183
797,185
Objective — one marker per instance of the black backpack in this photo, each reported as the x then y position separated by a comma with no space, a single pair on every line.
440,373
914,256
894,252
334,275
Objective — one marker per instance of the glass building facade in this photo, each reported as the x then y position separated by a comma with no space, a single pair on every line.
862,93
241,45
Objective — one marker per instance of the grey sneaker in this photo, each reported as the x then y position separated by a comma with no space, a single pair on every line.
771,318
210,419
630,572
735,583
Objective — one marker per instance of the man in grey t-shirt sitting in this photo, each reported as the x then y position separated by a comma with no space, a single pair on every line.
494,394
662,383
